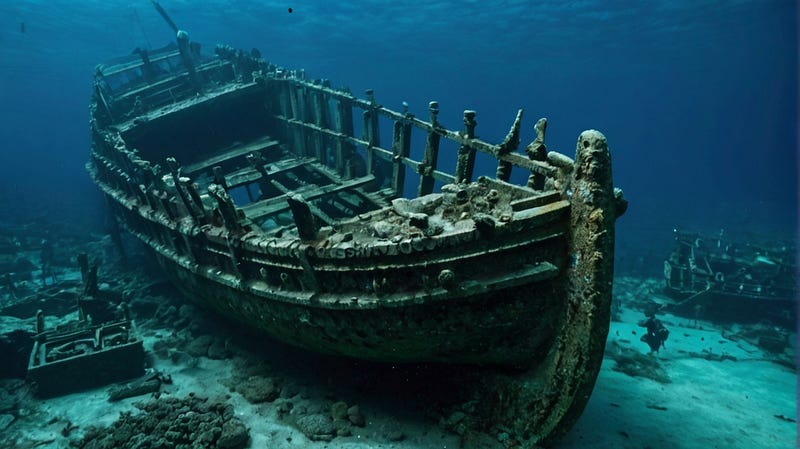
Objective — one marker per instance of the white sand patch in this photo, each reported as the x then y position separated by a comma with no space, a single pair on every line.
709,404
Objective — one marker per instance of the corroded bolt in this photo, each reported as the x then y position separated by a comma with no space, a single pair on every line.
462,196
447,279
379,285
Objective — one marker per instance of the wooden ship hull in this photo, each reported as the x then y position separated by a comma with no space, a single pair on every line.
265,199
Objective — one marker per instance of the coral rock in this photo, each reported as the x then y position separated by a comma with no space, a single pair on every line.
234,435
316,427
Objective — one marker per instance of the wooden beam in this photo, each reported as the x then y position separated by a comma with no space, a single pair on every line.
250,174
262,143
275,204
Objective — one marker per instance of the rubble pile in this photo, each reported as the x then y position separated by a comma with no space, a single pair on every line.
171,422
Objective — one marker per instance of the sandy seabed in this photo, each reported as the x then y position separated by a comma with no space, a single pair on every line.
709,390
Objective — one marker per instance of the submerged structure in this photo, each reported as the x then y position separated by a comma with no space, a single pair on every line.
327,221
80,355
713,277
100,347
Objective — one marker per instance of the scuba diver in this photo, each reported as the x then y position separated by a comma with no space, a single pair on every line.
656,334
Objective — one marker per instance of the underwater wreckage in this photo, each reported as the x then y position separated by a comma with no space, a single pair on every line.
261,201
718,278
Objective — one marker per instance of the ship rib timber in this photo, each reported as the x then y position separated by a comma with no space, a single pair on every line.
247,175
264,143
278,203
274,213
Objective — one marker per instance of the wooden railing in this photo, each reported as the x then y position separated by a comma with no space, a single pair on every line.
319,117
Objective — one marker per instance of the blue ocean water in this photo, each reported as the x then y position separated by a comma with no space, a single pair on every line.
698,99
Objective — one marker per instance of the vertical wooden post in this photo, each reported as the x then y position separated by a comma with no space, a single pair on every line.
192,188
306,116
225,206
307,225
341,111
256,160
310,116
371,132
537,151
174,169
344,149
401,148
320,110
509,145
465,163
429,160
297,131
286,110
219,177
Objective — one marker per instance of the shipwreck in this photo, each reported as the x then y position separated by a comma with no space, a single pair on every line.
300,210
722,279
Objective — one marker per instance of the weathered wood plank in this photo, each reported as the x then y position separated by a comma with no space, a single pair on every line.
272,205
250,174
535,201
262,143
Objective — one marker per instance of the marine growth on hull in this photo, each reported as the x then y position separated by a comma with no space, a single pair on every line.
329,221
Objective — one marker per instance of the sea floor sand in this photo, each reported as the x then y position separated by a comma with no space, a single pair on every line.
741,404
705,389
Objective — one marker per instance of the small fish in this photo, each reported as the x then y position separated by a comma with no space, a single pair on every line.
656,407
22,27
765,260
785,418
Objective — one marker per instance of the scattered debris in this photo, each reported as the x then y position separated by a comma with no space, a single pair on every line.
316,427
171,422
710,355
721,280
635,364
100,347
256,389
68,428
656,407
150,383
